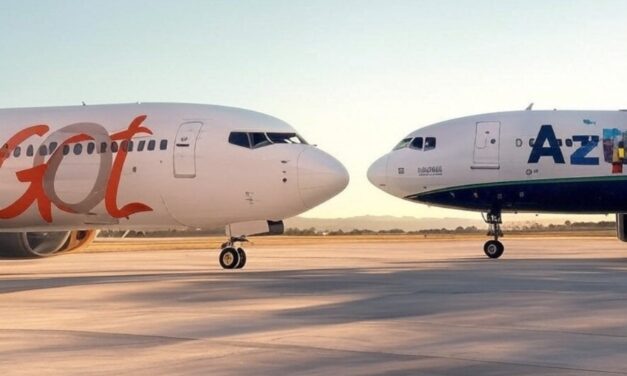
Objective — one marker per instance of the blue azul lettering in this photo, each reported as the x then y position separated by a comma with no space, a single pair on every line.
538,150
579,157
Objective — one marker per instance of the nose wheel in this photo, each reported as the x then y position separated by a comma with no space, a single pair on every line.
494,248
231,256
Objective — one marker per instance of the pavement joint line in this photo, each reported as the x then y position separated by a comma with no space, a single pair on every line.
97,333
498,327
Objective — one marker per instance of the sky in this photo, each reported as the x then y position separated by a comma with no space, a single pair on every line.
353,77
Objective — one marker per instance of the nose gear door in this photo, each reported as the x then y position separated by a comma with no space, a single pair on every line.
487,144
185,150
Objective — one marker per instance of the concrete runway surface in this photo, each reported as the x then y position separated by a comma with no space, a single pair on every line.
548,307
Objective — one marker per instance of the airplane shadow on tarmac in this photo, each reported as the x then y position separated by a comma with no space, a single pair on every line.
545,309
380,293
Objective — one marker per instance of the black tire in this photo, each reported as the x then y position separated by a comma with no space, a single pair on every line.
229,258
493,249
242,258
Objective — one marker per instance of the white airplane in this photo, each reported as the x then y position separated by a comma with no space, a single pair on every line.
521,161
66,172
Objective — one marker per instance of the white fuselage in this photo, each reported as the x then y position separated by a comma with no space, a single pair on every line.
172,166
561,161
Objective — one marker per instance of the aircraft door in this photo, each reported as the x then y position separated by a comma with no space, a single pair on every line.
185,150
487,141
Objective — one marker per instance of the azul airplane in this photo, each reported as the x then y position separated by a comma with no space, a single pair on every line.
66,172
521,161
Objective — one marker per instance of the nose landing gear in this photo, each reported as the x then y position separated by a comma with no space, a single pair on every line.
493,248
233,257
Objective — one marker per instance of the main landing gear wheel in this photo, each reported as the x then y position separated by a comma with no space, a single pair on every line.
493,249
232,257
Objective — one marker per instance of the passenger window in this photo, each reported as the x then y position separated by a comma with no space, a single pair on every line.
103,147
151,145
43,150
30,150
66,149
53,147
124,145
416,143
91,147
569,142
17,151
78,149
163,145
141,145
114,147
239,139
403,144
259,140
429,143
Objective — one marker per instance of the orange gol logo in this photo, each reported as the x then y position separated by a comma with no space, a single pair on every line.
41,176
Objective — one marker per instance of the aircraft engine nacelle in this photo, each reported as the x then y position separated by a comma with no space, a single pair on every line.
43,244
621,229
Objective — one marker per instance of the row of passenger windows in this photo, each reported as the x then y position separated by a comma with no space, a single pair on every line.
90,147
253,140
532,141
418,143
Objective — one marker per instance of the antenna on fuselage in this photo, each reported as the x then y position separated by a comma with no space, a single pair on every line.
84,104
530,107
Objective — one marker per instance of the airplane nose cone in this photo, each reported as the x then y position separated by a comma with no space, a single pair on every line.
377,173
320,177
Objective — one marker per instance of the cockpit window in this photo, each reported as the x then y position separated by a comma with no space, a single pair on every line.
416,143
286,138
253,140
429,143
259,140
239,139
403,144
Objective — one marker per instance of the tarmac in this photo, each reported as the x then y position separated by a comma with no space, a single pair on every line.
547,307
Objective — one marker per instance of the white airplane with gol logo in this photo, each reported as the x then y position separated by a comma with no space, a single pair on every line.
66,172
521,161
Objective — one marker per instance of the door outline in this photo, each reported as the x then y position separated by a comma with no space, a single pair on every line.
184,151
487,146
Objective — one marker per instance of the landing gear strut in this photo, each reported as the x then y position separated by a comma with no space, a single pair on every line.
493,248
232,256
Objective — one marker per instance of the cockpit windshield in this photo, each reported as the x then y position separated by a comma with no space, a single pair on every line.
417,143
254,140
258,140
403,144
286,138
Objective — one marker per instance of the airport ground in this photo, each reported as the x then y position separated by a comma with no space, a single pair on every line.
392,305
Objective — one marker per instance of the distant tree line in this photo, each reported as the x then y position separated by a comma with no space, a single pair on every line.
159,234
312,231
532,227
395,231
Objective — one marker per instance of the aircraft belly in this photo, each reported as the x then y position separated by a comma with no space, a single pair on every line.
602,194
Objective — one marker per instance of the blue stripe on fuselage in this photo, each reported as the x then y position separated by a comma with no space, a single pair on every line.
604,194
